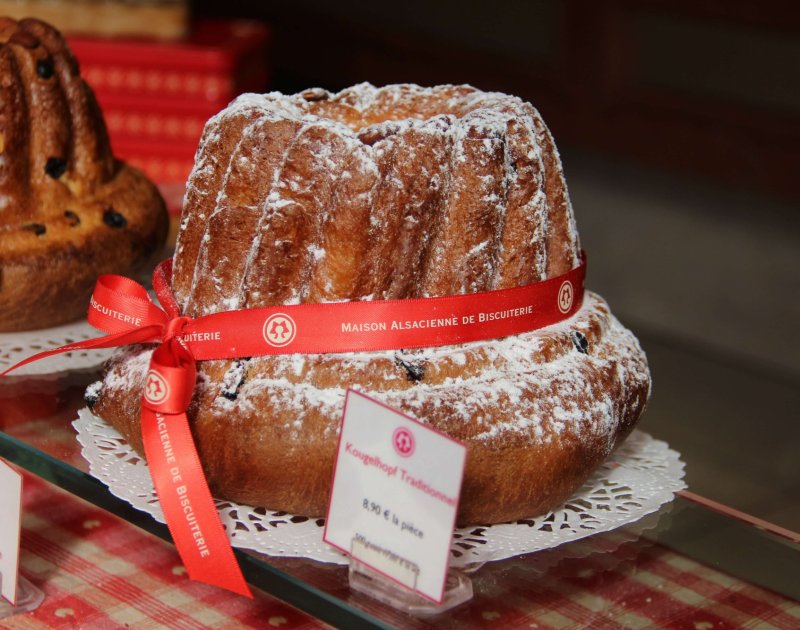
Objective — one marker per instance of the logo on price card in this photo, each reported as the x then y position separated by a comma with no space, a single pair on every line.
403,441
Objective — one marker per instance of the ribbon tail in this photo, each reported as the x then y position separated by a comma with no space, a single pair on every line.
189,509
139,335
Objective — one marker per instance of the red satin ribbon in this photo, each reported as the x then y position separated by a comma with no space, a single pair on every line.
122,308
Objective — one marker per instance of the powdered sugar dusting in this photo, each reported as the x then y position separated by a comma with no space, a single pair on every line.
494,173
514,391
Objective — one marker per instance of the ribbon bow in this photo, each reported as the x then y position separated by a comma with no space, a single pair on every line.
171,454
122,308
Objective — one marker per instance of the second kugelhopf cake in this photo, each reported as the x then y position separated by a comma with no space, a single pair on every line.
389,193
69,211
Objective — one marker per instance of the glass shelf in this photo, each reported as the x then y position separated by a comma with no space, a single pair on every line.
36,413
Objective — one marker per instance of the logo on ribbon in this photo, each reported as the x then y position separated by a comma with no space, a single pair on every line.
565,296
279,330
156,388
403,442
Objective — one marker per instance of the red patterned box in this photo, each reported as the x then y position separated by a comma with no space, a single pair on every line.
156,95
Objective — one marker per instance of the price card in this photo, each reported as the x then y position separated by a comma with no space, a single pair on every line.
395,493
10,523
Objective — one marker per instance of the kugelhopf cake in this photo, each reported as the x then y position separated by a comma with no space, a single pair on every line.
68,210
389,193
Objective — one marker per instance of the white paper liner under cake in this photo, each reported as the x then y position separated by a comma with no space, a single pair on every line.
641,476
16,346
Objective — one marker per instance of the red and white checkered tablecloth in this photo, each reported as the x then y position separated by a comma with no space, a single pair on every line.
653,588
98,571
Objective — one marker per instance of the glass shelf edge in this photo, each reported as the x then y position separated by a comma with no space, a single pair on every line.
282,585
707,536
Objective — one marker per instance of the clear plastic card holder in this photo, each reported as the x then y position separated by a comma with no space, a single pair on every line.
368,581
29,598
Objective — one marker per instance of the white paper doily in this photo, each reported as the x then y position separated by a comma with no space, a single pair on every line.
641,475
16,346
